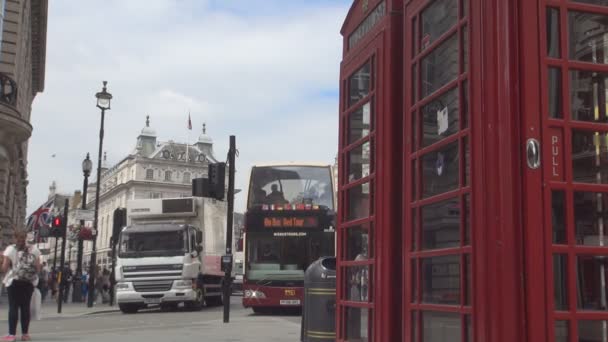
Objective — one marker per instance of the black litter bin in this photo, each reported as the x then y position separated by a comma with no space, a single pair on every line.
319,307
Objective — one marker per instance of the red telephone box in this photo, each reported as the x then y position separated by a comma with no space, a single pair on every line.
474,171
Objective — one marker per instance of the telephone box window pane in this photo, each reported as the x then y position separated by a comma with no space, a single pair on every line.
414,130
415,326
465,49
358,324
465,8
441,280
414,280
437,19
560,281
469,326
441,224
360,84
415,181
593,2
358,201
591,282
357,240
553,46
441,327
441,117
587,101
467,161
465,104
358,283
590,218
590,156
591,331
467,219
359,161
415,228
440,170
588,33
414,82
555,93
359,123
562,331
440,66
468,274
558,214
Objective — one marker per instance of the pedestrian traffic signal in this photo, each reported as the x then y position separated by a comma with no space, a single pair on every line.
217,180
57,226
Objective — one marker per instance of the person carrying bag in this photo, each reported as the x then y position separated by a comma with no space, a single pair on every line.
21,265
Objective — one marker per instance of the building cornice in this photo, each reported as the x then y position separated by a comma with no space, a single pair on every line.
132,183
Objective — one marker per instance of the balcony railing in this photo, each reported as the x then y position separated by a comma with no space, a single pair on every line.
8,90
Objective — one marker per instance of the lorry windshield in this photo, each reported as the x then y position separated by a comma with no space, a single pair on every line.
285,258
281,185
141,244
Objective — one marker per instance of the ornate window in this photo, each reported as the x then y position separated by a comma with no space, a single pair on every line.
149,174
168,175
187,177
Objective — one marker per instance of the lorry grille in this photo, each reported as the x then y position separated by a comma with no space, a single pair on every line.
152,286
152,268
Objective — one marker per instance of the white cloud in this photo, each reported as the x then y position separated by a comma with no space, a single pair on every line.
256,76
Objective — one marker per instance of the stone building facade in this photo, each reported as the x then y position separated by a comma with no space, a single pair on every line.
22,72
153,169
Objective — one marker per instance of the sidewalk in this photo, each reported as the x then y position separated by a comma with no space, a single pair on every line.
49,309
69,310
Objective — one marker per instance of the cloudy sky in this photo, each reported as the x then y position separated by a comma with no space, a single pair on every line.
263,70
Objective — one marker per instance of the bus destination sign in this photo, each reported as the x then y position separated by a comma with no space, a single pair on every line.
291,222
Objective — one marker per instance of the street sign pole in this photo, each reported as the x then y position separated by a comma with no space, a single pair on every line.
228,268
61,282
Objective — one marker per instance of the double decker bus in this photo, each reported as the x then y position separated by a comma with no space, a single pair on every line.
289,223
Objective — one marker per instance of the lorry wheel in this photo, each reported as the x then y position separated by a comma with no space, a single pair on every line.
214,301
128,308
196,305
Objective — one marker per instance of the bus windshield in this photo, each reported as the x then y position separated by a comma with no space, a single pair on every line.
281,185
285,258
158,243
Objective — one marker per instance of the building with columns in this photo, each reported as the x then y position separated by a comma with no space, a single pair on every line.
153,169
22,68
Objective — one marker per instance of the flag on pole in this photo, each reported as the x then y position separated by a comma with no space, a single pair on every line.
189,122
41,217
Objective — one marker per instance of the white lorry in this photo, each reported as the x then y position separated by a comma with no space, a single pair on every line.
170,253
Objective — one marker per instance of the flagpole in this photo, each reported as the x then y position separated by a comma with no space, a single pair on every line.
188,138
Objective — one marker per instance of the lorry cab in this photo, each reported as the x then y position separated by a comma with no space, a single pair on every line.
169,254
158,264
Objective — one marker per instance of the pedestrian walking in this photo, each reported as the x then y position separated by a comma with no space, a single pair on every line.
85,286
21,265
43,281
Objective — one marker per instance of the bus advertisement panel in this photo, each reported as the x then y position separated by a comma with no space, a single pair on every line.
289,223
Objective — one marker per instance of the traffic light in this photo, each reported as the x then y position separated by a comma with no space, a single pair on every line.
57,227
120,220
217,180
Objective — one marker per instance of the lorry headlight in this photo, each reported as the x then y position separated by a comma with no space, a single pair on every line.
122,286
254,294
185,284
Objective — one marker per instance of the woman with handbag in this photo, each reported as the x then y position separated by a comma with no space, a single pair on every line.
21,264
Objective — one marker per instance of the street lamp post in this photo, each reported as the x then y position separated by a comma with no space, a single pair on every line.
103,103
87,166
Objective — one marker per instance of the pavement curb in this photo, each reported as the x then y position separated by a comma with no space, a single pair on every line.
100,312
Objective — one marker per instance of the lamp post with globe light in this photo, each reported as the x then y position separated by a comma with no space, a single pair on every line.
103,103
87,166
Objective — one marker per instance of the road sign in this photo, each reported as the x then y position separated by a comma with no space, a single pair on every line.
84,214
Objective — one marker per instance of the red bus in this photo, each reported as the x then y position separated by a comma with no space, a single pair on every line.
289,223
